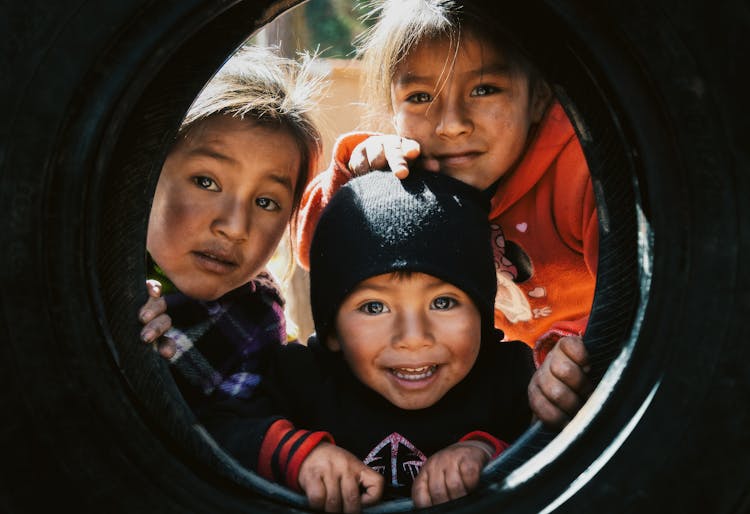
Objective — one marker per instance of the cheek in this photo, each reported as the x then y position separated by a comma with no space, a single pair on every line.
173,216
470,347
411,126
522,120
176,221
465,358
468,333
167,217
505,119
359,361
406,118
269,235
510,135
358,352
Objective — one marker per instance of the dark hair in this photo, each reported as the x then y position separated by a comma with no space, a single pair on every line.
402,24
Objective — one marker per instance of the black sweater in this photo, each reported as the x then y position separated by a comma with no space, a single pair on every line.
312,388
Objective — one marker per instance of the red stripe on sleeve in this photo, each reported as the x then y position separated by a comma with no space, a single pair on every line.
287,451
274,435
300,454
478,435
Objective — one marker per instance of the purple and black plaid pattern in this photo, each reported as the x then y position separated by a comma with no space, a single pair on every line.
221,343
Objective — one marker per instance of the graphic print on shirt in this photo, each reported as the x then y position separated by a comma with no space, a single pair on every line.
397,459
514,267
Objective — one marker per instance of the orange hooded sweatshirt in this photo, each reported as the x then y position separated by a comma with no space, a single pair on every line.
544,233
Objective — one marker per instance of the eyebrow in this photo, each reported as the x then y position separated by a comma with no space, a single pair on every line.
408,79
283,180
203,151
359,288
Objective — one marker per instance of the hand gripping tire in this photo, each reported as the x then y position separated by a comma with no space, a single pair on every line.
91,94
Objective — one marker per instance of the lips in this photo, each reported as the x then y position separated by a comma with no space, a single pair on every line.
216,260
458,157
449,160
414,374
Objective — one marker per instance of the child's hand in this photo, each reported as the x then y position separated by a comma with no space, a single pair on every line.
451,473
381,152
560,385
335,480
156,321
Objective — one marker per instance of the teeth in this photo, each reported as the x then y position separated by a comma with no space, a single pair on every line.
414,373
214,257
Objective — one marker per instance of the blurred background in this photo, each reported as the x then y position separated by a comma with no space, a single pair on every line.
325,28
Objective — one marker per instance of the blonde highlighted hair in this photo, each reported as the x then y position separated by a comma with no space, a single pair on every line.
258,84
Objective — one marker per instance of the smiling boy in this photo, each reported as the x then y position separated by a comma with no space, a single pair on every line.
406,384
412,374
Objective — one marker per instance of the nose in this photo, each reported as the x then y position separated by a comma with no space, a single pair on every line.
453,117
413,331
233,221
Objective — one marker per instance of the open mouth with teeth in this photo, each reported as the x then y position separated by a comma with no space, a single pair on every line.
414,374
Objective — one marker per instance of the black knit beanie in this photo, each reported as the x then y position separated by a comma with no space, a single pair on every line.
378,224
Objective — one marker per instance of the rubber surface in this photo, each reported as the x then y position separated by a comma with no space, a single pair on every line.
91,93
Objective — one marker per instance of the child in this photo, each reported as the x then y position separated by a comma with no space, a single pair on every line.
406,375
465,102
227,191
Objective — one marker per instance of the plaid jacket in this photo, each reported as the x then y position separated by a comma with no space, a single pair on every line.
222,344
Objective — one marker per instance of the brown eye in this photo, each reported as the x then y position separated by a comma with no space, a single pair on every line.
484,90
443,303
419,98
206,183
267,204
373,308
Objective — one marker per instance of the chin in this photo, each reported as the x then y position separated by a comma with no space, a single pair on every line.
479,182
413,404
203,294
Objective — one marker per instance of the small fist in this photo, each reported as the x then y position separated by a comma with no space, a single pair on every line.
451,473
335,480
560,386
156,321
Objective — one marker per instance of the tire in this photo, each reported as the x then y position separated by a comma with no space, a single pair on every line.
94,423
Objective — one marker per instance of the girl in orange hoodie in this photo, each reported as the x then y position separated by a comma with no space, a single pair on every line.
466,102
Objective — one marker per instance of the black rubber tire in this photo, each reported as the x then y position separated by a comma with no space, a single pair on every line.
91,95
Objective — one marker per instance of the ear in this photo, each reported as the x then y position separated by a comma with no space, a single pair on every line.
540,99
332,343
